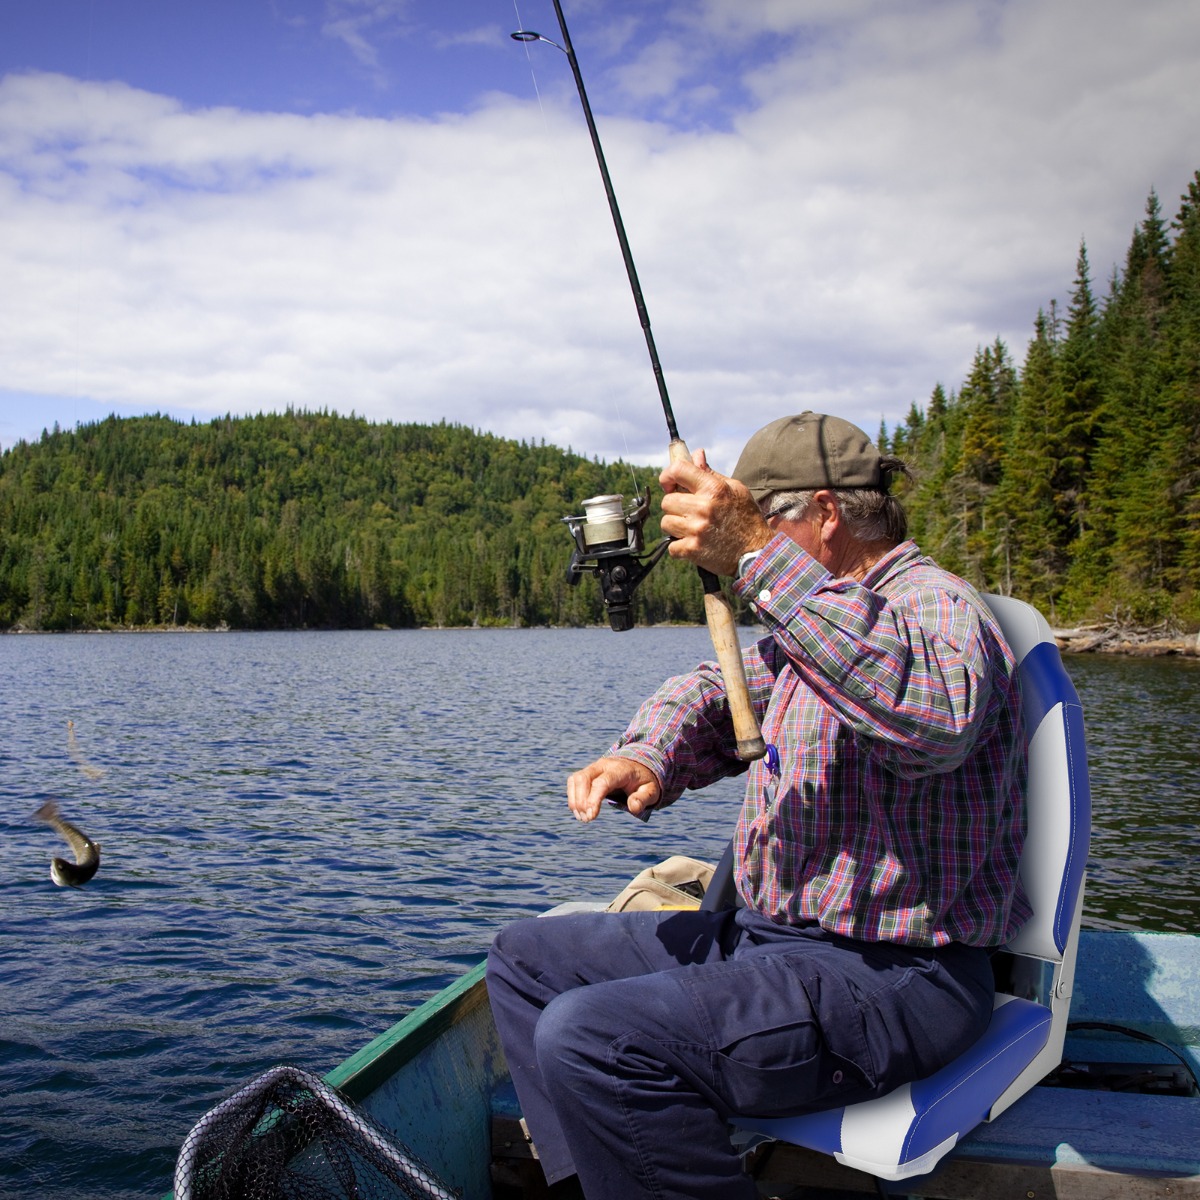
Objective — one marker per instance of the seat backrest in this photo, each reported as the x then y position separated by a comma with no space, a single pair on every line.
1058,801
1041,962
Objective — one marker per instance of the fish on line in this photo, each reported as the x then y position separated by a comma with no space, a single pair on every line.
87,852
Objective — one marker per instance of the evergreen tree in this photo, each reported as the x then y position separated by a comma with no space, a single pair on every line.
987,400
1029,555
1181,437
1076,404
935,517
1128,537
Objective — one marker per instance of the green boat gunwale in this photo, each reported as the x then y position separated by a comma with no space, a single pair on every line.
367,1069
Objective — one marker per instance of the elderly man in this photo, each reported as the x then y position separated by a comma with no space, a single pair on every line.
875,854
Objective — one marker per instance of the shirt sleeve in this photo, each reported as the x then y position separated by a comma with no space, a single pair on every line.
684,732
910,671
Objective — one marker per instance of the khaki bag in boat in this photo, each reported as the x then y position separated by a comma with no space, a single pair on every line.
676,882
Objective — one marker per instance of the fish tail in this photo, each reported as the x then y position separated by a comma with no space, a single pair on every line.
48,812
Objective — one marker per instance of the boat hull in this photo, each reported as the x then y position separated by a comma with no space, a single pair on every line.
431,1078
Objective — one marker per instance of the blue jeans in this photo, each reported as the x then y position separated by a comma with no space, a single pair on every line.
633,1037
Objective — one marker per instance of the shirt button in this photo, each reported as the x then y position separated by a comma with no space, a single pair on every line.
764,597
837,1077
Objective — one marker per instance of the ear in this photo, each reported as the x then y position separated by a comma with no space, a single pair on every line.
831,515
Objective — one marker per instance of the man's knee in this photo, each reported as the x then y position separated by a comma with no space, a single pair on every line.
573,1034
515,948
511,939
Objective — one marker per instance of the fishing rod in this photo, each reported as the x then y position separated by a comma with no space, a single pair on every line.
618,564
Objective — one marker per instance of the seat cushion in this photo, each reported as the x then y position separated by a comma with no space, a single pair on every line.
907,1131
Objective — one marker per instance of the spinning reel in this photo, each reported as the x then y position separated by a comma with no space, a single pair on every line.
610,544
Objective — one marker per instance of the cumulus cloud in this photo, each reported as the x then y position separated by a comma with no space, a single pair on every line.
882,190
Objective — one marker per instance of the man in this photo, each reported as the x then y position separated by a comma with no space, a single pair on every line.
875,855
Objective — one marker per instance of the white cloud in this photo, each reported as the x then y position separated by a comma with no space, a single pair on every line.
905,184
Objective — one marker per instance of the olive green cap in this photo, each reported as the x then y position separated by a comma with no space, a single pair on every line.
807,452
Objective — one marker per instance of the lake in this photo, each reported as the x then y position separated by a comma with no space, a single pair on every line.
307,834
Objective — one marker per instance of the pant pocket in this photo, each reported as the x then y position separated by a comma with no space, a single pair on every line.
793,1041
771,1075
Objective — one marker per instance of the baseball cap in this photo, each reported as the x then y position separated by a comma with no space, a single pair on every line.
806,452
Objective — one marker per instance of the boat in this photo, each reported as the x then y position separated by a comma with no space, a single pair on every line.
1086,1084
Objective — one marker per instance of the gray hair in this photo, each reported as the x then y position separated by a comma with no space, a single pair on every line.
870,515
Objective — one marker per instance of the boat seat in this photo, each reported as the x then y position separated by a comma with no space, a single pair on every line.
906,1132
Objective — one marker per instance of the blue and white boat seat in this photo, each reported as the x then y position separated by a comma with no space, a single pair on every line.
907,1132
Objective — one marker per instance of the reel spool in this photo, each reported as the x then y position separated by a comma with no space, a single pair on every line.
609,543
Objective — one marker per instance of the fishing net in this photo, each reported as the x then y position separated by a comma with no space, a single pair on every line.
289,1136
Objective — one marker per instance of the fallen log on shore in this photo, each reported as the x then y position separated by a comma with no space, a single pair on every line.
1124,639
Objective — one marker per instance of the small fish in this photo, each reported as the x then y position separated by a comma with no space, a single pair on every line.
87,852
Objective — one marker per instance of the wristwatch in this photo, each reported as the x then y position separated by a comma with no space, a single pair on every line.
745,561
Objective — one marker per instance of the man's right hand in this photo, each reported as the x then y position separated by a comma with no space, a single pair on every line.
587,789
713,520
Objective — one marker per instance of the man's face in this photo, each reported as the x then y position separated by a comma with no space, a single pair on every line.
804,529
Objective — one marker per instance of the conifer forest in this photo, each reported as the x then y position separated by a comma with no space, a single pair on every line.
1070,478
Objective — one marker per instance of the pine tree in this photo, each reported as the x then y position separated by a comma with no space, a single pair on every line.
1077,403
1181,447
988,401
1029,554
1129,539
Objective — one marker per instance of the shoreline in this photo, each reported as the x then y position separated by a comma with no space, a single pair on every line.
1090,639
1130,642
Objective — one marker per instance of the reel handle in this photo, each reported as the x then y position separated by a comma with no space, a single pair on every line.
718,612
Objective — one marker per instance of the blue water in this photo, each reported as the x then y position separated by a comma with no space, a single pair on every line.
306,835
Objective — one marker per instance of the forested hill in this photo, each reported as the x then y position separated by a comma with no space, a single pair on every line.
302,520
1073,481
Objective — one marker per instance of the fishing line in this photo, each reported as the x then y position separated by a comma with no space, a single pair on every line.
532,73
562,193
637,487
77,336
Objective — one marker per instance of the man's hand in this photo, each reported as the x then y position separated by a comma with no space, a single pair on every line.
588,789
713,519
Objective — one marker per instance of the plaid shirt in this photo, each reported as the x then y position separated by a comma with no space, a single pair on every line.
895,811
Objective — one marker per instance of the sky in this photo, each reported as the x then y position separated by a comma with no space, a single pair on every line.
390,208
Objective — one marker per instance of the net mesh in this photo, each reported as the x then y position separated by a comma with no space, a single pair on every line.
289,1136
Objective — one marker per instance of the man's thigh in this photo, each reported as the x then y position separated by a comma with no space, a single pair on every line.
577,949
798,1024
745,1033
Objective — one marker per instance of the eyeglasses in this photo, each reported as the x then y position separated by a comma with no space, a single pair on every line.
784,512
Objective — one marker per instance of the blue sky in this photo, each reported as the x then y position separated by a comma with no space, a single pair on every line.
283,56
389,207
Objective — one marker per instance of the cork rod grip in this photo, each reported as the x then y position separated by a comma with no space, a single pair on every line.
718,612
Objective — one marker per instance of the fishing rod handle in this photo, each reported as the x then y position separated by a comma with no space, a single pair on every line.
718,612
